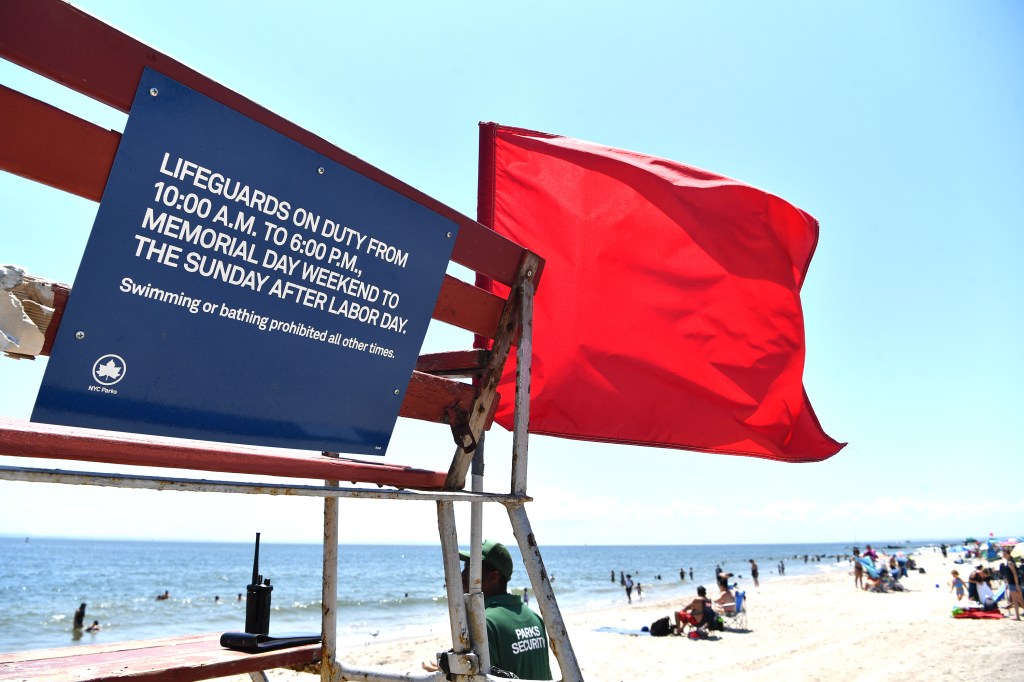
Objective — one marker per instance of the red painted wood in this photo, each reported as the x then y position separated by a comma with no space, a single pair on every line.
48,145
429,397
20,438
60,302
191,657
468,307
63,43
459,362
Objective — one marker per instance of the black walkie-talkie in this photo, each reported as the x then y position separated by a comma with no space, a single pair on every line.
257,635
257,599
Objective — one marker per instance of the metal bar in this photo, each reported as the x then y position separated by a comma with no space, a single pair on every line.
329,600
329,588
475,597
524,360
35,475
453,577
544,595
364,675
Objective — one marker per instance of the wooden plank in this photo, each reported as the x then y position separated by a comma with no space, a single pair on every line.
428,397
65,44
191,657
48,145
468,307
60,302
19,438
463,363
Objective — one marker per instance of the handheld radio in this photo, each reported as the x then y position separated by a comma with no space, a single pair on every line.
257,598
257,635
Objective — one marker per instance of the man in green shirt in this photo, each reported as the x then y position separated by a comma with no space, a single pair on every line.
516,637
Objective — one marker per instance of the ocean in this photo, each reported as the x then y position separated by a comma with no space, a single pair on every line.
384,591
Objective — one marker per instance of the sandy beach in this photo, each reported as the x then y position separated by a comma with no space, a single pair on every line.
806,628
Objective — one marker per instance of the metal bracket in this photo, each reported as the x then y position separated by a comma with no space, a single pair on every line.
452,663
463,435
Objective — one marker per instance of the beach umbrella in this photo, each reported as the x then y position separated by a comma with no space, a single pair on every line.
1018,551
969,541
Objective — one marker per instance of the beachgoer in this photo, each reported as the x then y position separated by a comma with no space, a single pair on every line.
722,577
526,595
162,597
694,614
629,589
753,572
516,637
872,554
682,574
95,627
691,572
858,570
973,580
639,591
79,619
726,601
1010,572
613,576
957,584
986,597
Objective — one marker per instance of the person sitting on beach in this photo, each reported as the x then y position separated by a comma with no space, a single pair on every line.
695,614
986,597
95,627
517,640
972,584
726,601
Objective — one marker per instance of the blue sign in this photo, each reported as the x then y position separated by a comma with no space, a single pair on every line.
240,287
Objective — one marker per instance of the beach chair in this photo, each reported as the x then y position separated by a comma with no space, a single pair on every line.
455,389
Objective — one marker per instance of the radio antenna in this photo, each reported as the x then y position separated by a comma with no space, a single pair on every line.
256,563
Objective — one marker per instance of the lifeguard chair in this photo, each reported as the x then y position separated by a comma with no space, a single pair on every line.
59,149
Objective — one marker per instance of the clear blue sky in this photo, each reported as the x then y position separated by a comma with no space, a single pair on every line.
898,125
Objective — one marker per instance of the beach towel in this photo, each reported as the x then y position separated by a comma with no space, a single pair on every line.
978,614
869,566
642,632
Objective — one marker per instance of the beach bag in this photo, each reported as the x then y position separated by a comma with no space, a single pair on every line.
660,627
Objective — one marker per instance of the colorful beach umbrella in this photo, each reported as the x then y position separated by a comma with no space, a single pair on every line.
1018,551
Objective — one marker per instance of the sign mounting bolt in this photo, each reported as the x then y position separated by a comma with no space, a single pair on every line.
397,391
320,170
79,335
154,92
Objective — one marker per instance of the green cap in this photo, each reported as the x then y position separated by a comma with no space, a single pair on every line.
495,555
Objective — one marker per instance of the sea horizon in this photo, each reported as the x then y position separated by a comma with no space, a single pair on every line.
384,590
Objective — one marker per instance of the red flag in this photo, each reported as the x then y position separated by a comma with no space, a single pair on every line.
669,309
